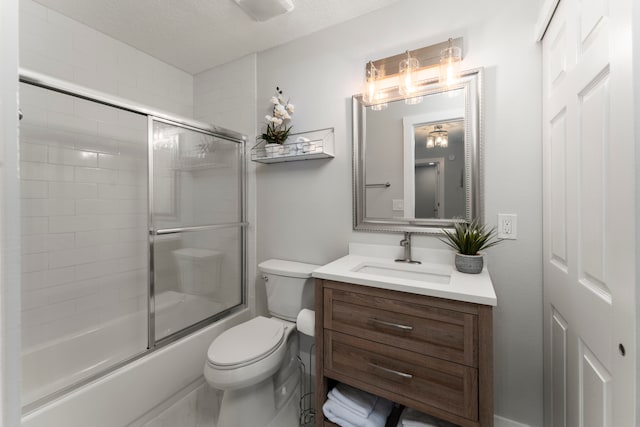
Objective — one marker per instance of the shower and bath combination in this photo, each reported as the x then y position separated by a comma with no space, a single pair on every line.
133,232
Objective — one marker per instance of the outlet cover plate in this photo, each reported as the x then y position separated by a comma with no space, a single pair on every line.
507,226
398,205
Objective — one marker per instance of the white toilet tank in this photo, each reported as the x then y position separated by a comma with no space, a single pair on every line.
198,270
289,287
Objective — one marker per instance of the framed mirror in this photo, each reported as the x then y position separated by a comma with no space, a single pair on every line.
417,162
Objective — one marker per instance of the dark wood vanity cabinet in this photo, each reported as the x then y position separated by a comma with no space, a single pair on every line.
431,354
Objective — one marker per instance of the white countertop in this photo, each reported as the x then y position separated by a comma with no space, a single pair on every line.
442,279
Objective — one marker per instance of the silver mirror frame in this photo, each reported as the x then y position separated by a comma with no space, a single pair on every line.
472,82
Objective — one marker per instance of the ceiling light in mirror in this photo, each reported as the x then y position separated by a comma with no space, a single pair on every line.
438,137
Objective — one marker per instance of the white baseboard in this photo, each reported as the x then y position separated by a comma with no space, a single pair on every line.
499,421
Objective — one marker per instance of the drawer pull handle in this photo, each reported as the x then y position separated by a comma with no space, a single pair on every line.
393,325
391,371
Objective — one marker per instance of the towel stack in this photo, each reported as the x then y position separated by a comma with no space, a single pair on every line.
412,418
350,407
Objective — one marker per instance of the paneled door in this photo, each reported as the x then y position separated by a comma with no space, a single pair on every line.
589,216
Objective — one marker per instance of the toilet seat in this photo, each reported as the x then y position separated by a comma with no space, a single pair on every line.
246,343
247,353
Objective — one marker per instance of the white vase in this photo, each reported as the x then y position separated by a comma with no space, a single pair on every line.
272,150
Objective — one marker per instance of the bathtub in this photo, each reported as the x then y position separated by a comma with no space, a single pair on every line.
133,389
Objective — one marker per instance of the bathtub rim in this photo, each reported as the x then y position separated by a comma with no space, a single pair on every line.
104,374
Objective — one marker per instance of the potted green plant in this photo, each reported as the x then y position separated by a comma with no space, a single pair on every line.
468,239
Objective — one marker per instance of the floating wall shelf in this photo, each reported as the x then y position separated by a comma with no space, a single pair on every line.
317,144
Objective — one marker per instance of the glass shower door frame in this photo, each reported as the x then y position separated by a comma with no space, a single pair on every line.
154,232
67,88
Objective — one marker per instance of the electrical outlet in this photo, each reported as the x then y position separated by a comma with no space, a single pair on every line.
398,204
508,226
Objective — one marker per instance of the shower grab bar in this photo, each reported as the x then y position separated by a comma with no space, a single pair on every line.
385,185
198,228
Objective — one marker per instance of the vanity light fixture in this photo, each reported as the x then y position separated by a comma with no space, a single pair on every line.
450,59
438,137
445,55
371,93
408,70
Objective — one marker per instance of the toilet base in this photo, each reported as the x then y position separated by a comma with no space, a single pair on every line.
250,406
289,414
272,402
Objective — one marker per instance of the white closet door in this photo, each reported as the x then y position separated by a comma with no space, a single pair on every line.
589,216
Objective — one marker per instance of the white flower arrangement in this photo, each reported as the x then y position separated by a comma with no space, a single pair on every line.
277,131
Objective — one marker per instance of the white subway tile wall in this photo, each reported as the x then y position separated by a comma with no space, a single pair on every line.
84,200
84,226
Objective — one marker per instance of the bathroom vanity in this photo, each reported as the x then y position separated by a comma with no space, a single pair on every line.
420,336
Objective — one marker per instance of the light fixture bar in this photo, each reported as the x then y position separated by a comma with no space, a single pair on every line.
428,56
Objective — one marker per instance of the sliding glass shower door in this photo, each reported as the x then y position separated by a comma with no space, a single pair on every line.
196,226
84,238
132,232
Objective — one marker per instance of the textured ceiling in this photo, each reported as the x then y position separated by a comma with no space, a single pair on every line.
196,35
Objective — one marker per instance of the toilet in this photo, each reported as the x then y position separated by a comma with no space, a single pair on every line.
256,363
198,270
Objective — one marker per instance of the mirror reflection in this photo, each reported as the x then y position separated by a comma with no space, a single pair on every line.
439,170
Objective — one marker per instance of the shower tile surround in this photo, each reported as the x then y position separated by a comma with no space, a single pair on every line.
117,240
84,201
76,194
84,211
104,228
83,195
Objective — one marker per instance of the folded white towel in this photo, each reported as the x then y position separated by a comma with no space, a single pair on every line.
412,418
360,402
329,410
347,406
378,417
337,413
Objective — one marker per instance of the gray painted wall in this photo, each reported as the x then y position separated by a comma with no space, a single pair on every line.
304,209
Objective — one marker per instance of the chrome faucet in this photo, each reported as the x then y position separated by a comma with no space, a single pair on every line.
406,244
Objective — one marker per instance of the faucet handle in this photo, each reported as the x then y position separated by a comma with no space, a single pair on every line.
407,239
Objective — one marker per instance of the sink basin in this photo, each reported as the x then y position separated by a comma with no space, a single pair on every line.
406,271
373,266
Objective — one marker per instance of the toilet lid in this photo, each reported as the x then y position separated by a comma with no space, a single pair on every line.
247,342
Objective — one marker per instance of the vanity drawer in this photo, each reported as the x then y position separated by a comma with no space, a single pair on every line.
402,376
412,322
